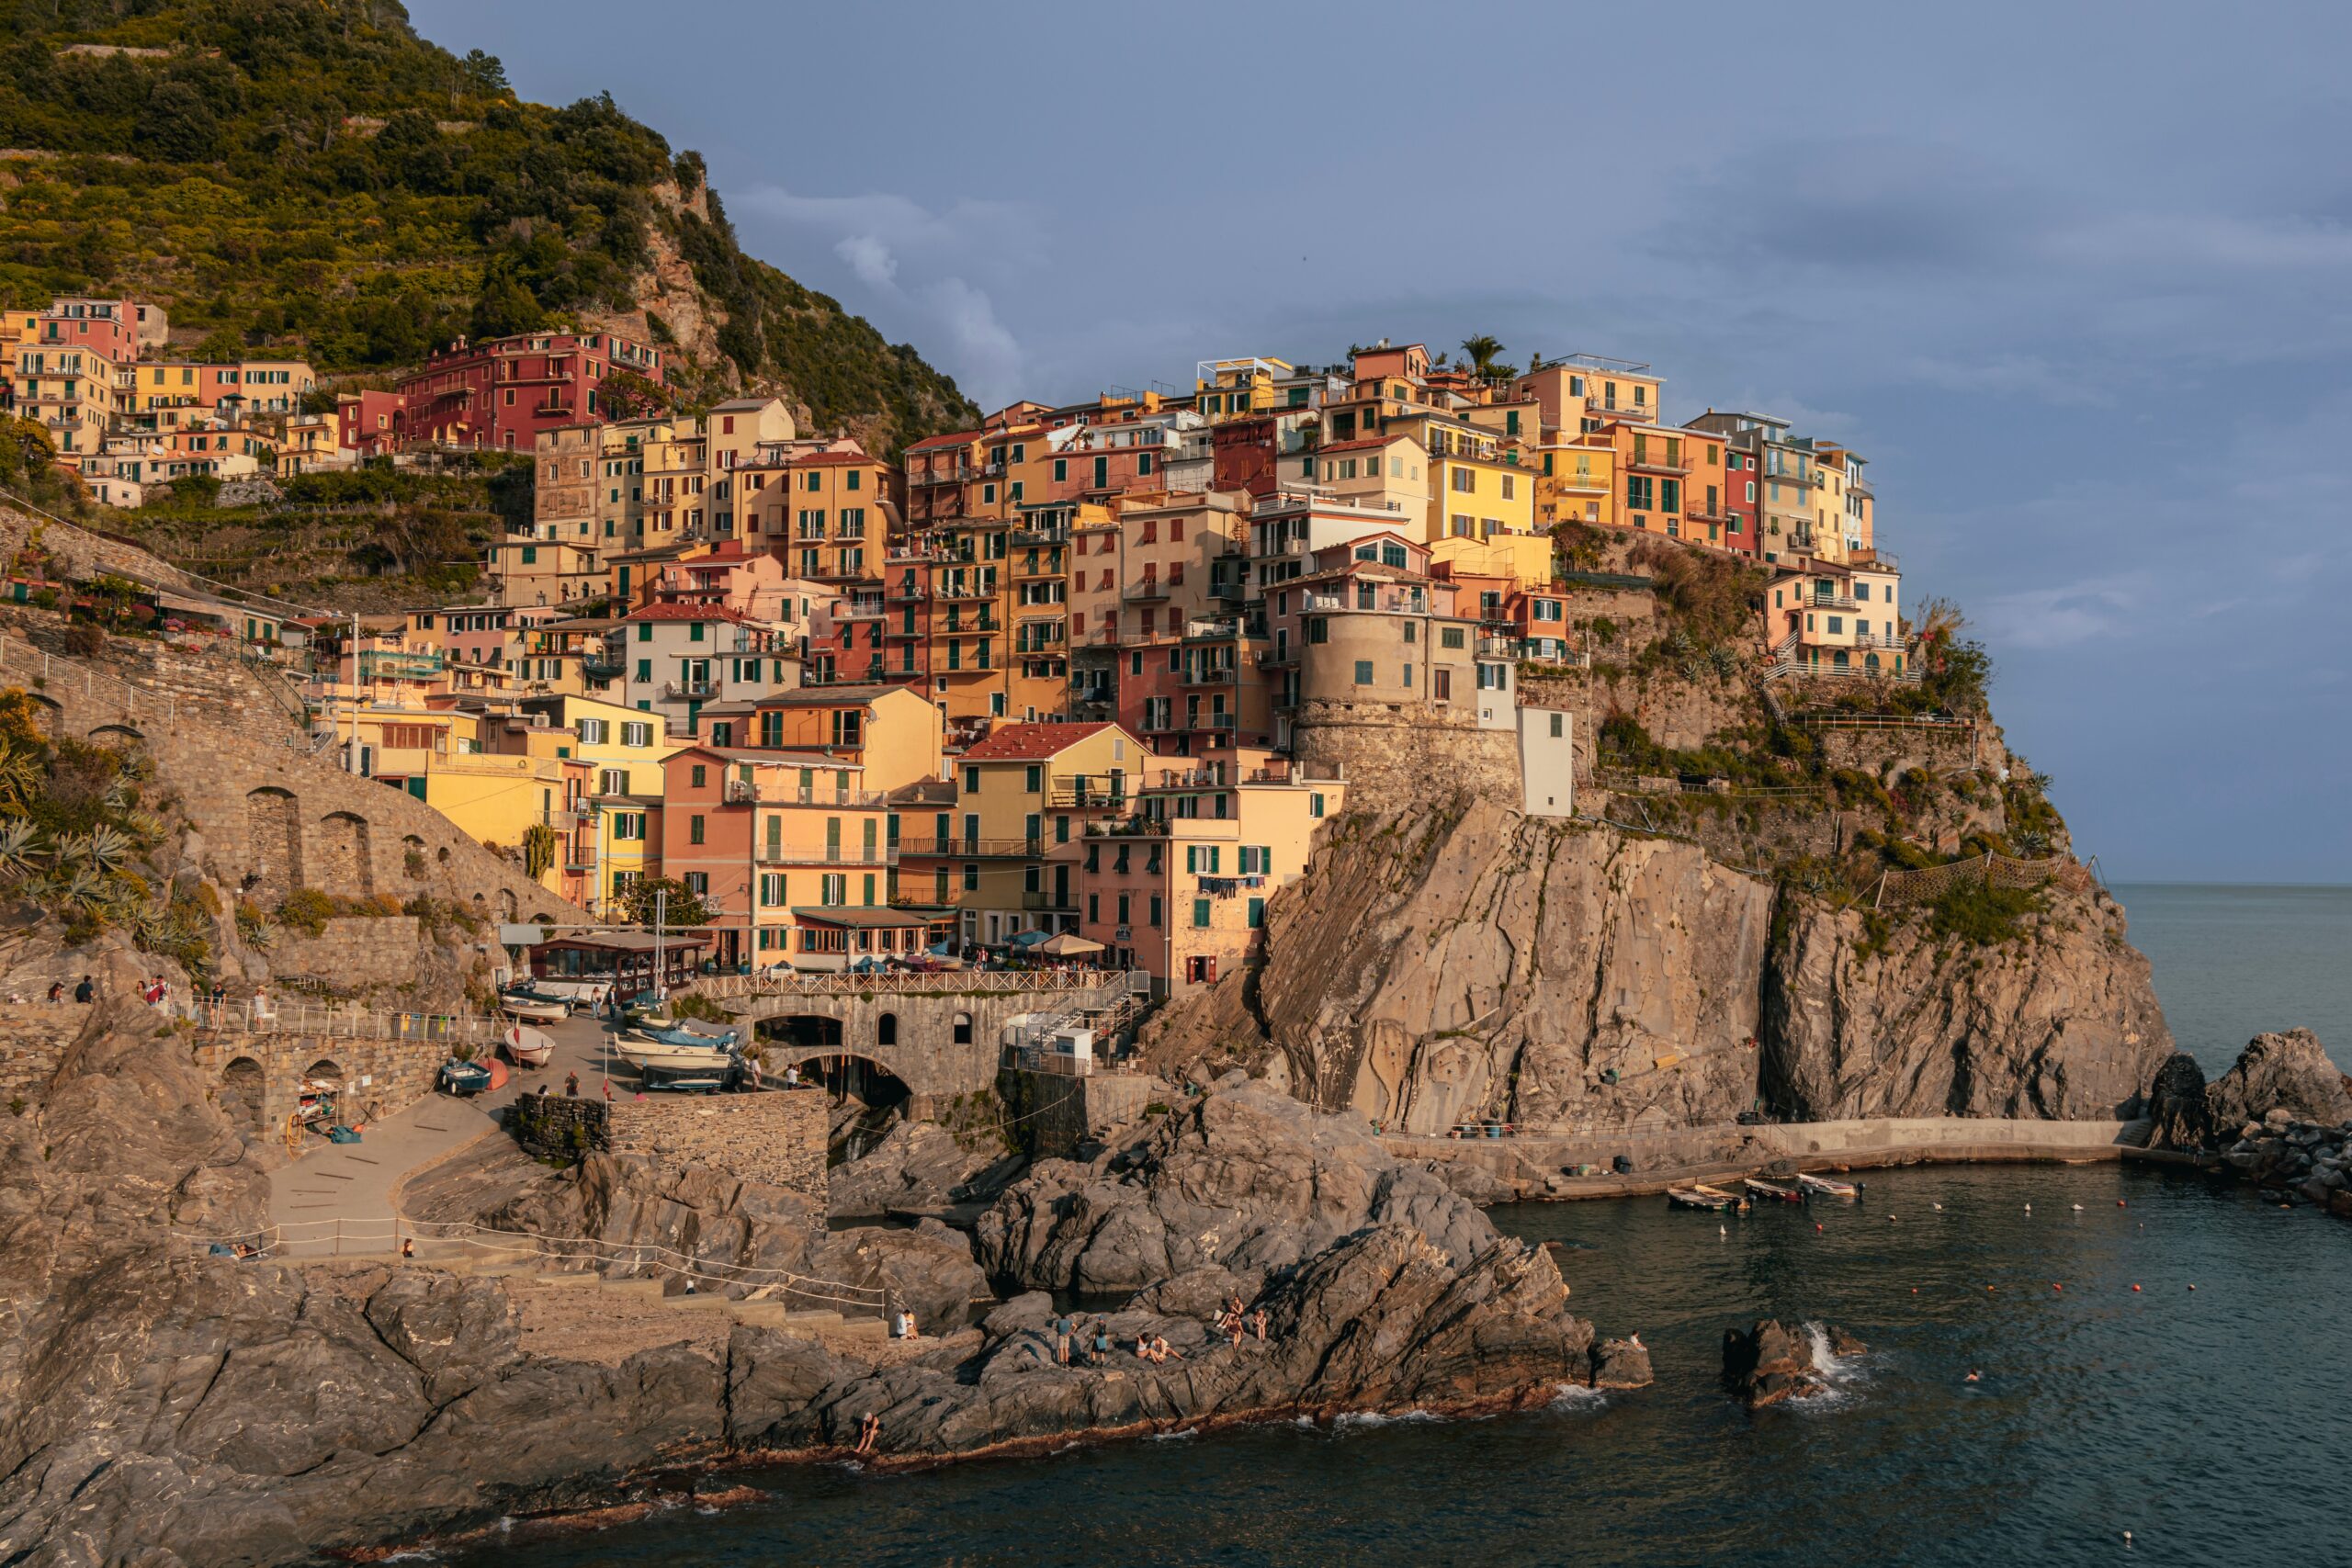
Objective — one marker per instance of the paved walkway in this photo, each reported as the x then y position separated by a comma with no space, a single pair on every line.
338,1199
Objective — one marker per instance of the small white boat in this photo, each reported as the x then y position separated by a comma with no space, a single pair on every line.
528,1047
1774,1190
579,993
646,1055
1829,1186
534,1009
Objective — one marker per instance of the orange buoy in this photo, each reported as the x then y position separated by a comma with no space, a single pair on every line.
2135,1287
2056,1286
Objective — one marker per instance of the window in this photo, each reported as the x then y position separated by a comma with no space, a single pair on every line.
637,734
1258,906
1510,485
1363,671
1032,778
1200,914
1391,554
1317,630
698,780
771,889
694,829
1465,480
1452,637
1559,724
1314,803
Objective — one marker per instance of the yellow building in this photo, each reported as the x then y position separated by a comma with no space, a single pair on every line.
1230,388
1575,481
1480,505
1024,797
623,751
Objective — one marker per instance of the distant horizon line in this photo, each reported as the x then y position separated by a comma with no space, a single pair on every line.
2184,882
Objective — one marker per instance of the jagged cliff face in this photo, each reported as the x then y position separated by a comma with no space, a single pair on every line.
1492,964
1485,965
2061,1023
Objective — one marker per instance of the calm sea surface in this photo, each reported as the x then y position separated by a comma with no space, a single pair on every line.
2211,1422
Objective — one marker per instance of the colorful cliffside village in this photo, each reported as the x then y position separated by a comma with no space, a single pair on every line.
1103,669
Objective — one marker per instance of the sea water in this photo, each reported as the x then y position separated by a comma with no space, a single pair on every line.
2208,1422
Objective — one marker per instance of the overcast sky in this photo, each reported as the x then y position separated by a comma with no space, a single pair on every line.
2074,280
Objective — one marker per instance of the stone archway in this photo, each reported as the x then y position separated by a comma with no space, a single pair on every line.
508,910
412,860
273,839
116,732
344,864
244,1095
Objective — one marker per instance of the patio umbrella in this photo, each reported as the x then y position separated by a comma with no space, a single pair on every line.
1027,939
1069,944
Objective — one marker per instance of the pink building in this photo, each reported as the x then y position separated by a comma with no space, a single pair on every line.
503,391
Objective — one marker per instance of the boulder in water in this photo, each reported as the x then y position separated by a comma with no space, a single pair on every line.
1771,1361
2286,1075
2180,1114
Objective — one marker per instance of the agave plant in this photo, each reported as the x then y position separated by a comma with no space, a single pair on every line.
24,853
20,780
105,849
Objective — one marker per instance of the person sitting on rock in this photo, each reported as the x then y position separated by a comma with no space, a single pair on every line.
1161,1350
1258,1318
869,1432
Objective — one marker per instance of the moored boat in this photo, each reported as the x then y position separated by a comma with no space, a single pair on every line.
649,1056
1698,1198
1763,1188
527,1046
1829,1186
1734,1199
532,1007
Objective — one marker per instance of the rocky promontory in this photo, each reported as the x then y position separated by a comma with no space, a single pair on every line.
1475,963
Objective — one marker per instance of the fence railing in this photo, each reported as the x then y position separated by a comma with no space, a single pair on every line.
330,1020
1998,870
951,982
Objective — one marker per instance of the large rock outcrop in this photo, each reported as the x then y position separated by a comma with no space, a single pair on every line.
2061,1022
1245,1178
1490,965
2287,1072
920,1168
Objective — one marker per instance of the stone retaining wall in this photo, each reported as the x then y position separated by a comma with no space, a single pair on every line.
1051,1113
260,1074
775,1138
354,953
1403,756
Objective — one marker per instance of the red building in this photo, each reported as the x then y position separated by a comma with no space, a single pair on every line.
1242,452
1740,532
367,423
503,391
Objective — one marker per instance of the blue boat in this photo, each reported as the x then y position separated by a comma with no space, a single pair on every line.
464,1078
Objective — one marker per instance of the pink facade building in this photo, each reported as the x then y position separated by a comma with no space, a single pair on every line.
503,391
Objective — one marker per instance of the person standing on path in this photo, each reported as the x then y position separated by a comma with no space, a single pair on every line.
571,1086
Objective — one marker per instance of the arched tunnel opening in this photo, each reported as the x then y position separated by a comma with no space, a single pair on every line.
868,1098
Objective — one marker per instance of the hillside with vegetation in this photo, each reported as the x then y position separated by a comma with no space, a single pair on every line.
311,176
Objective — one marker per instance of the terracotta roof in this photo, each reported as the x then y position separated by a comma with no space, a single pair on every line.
832,461
953,438
1022,743
669,611
1359,446
875,915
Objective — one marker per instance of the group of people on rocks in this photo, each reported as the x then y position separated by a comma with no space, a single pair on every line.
1234,1322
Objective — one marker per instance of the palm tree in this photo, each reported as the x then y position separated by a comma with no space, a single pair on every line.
1482,350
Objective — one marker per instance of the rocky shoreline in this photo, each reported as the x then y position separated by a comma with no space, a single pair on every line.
228,1411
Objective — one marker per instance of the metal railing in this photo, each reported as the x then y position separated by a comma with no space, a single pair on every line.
826,854
952,982
1998,870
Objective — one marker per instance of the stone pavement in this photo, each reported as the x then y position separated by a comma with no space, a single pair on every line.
338,1199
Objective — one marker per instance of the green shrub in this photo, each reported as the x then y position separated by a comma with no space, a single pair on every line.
1981,915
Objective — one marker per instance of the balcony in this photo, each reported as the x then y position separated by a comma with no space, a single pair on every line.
580,856
906,592
1657,457
1039,538
738,793
965,591
1801,478
1231,592
1499,647
1830,601
1049,901
994,848
689,691
1214,721
1621,411
860,610
1214,677
1150,590
1072,794
826,854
